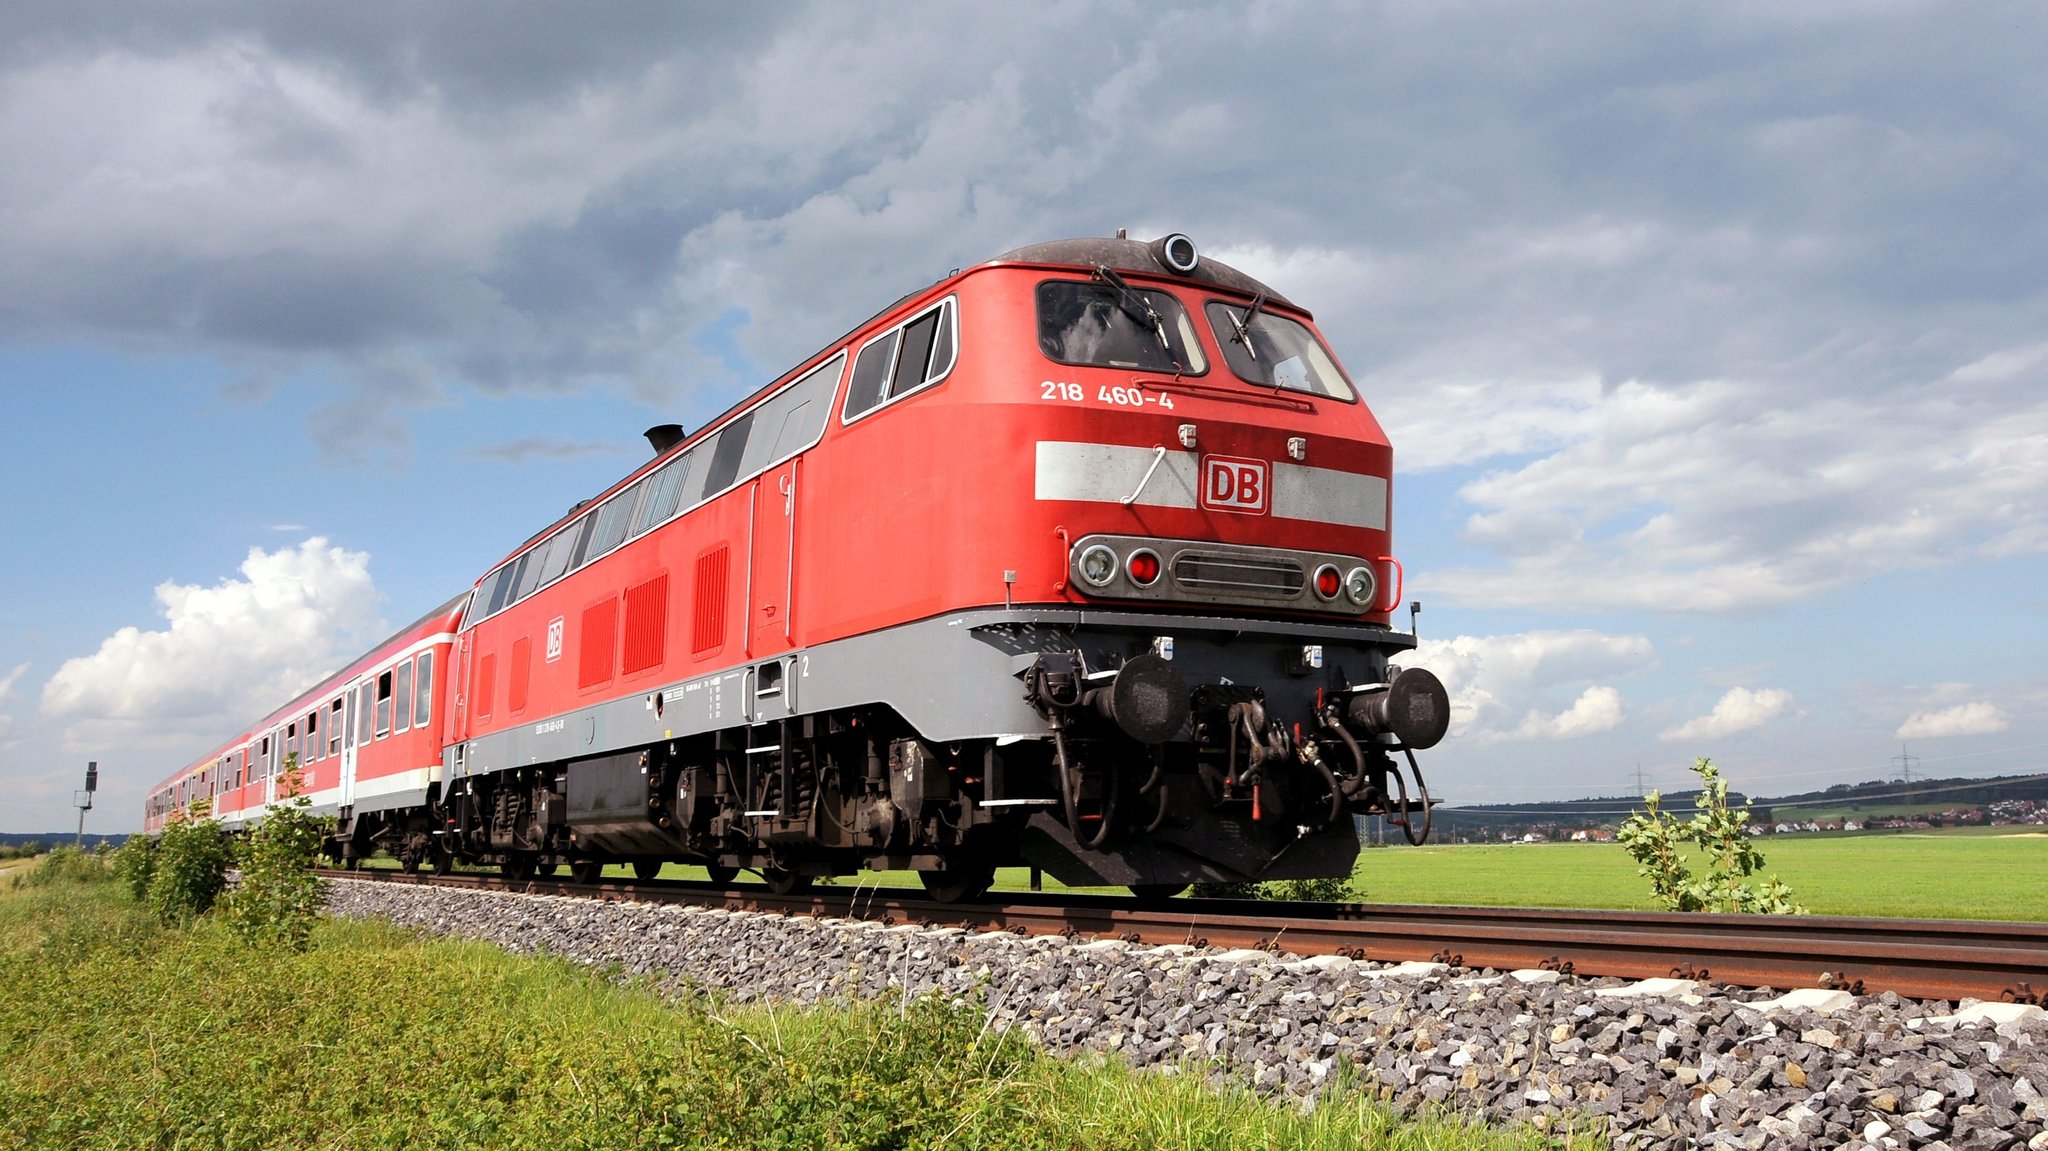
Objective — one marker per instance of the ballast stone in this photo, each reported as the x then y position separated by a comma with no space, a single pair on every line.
1642,1064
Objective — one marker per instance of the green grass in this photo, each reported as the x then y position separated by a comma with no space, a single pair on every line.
123,1034
1974,873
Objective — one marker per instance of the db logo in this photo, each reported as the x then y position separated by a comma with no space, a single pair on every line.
1234,485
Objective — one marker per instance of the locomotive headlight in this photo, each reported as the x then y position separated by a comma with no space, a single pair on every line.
1327,582
1098,565
1360,587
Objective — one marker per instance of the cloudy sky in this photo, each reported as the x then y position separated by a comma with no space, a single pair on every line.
1713,341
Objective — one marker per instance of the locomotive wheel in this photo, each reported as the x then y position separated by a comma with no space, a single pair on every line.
646,869
960,885
722,876
586,870
1152,894
784,882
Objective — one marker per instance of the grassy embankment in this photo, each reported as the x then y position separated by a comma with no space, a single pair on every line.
125,1034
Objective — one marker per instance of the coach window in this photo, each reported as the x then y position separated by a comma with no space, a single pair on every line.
315,746
334,724
1106,326
1275,351
262,768
383,705
402,697
423,690
291,744
363,713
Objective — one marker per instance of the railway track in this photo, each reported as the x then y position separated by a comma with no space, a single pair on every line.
1921,959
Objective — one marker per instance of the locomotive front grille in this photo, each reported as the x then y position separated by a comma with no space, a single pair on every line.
1245,575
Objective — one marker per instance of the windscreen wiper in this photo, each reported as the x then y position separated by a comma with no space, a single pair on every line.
1242,334
1134,305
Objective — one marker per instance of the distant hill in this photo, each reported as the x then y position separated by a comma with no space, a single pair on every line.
13,840
1843,800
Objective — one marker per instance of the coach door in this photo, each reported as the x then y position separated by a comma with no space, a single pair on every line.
349,699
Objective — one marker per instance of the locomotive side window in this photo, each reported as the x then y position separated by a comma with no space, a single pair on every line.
402,696
1095,325
1276,352
870,373
613,519
559,551
664,492
584,529
423,691
725,456
792,419
914,356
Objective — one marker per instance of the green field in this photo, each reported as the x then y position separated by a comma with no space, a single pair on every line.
1977,873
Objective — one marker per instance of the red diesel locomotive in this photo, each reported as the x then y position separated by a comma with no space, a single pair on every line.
1078,558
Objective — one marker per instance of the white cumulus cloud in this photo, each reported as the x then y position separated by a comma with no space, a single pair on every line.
1978,718
1739,710
7,681
1534,685
226,654
1597,709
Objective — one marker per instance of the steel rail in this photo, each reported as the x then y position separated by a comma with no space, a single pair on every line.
1919,959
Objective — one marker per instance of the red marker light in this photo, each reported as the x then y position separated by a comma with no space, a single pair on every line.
1329,583
1144,568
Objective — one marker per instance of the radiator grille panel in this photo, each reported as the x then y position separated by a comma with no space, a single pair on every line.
1209,572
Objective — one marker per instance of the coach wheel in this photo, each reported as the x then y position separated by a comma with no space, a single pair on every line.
586,870
519,867
646,869
409,861
1152,894
959,885
722,876
443,860
782,881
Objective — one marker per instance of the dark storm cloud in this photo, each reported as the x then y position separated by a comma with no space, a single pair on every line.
483,54
559,196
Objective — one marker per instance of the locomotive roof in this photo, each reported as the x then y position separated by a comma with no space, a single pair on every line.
1121,255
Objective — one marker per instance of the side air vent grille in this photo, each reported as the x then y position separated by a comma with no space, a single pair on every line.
1242,575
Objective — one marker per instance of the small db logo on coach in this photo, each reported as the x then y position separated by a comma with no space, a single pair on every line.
1234,485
